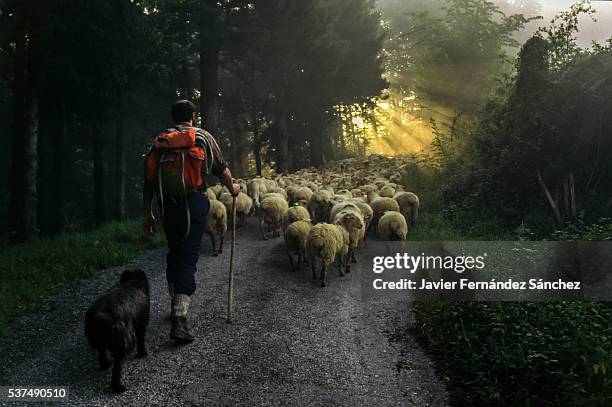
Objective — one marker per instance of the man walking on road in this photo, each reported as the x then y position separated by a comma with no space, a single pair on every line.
175,171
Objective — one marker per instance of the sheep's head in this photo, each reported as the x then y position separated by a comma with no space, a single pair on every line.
349,220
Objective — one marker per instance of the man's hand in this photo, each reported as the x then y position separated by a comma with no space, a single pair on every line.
149,225
236,190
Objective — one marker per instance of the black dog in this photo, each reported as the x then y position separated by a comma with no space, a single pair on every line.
117,321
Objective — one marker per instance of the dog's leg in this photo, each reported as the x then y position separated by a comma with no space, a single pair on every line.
140,337
103,359
116,385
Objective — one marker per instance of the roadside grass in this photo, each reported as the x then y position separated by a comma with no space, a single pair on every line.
433,227
33,271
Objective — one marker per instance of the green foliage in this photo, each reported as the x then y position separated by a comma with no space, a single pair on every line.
580,231
32,271
522,354
546,120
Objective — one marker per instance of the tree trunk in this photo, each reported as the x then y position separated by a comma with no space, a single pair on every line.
210,89
24,171
31,156
99,193
211,26
17,231
57,220
120,170
282,164
256,143
573,209
549,197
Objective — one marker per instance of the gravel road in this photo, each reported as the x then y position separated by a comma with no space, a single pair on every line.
292,343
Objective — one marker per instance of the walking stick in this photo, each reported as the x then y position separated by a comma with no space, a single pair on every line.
230,290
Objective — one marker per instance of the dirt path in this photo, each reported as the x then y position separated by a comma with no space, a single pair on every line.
292,343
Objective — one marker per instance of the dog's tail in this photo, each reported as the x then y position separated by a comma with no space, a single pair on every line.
102,330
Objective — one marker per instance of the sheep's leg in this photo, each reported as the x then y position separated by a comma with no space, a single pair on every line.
221,242
262,229
351,254
324,275
291,260
342,266
212,239
299,260
313,268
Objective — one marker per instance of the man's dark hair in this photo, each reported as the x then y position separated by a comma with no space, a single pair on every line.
182,111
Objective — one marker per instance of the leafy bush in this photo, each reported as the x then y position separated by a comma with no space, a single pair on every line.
522,354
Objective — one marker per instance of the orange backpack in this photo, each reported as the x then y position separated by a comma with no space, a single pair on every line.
175,162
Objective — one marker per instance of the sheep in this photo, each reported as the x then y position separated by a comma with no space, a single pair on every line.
271,214
277,190
295,213
381,205
276,194
216,189
409,206
302,203
387,191
366,211
300,194
357,192
392,226
256,188
295,236
320,205
217,224
326,242
368,188
211,195
352,220
269,184
244,205
345,193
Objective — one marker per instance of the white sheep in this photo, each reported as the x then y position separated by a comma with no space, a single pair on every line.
244,205
299,194
256,188
295,236
320,205
381,205
211,195
387,191
295,213
217,224
327,241
392,226
271,214
351,219
409,206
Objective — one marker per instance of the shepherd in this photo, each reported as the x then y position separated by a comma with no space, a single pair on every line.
175,171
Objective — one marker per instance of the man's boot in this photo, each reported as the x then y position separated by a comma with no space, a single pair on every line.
180,332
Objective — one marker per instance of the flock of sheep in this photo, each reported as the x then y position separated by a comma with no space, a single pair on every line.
322,212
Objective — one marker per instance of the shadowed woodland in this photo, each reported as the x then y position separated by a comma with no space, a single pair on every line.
499,111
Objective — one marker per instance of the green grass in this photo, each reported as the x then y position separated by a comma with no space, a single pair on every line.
433,227
32,271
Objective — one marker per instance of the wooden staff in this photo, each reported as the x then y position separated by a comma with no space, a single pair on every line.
230,290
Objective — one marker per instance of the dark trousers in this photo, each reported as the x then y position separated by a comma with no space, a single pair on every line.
183,252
